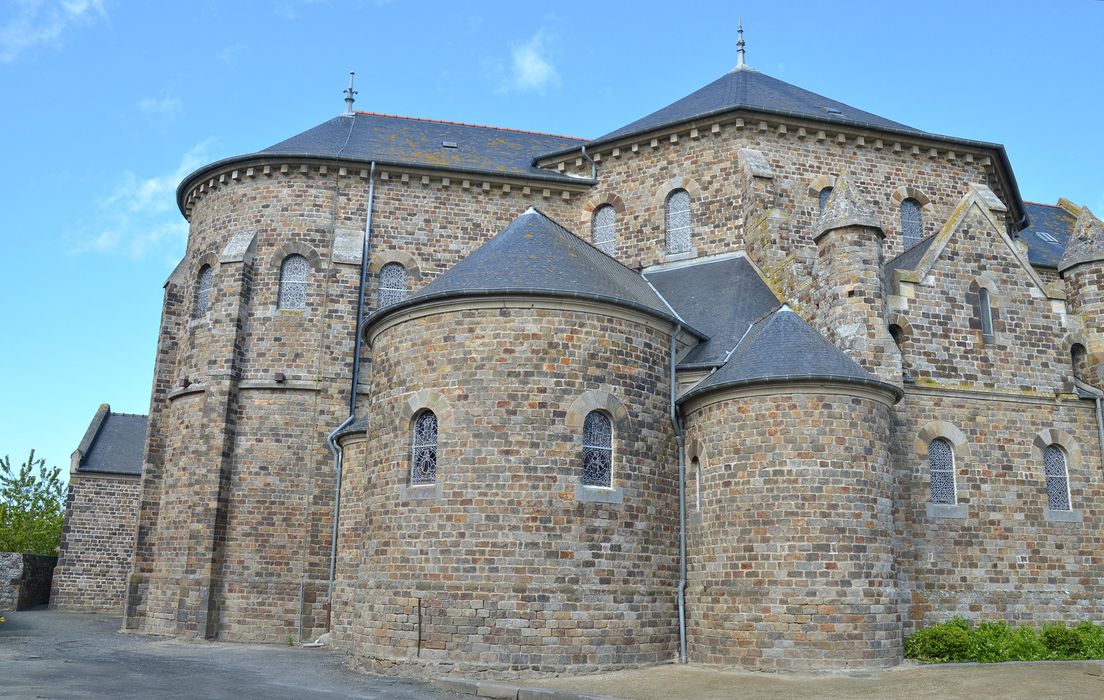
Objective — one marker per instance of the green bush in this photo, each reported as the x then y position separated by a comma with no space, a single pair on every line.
992,642
32,506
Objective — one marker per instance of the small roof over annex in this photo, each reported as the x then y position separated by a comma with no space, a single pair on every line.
781,347
535,256
113,444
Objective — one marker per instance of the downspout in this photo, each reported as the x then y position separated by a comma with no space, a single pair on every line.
331,439
1100,427
593,165
680,442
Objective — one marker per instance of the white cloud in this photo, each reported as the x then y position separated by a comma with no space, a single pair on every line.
162,107
43,22
530,67
139,217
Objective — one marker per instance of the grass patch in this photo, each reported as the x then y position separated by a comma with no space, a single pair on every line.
958,641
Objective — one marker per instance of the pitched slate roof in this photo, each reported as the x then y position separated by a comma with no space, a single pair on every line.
782,347
1053,220
113,443
909,259
534,255
364,136
752,90
719,297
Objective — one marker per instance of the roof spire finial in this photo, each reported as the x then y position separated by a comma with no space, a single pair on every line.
740,44
349,94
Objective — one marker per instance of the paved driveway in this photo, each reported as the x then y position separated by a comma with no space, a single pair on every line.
46,654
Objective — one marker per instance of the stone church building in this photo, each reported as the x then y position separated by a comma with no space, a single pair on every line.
759,379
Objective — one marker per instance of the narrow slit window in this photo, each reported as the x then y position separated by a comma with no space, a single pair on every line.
822,197
597,450
204,285
603,229
1057,478
392,284
986,311
423,449
678,222
293,282
941,468
912,226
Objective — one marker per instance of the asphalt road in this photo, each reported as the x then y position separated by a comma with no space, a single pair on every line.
47,654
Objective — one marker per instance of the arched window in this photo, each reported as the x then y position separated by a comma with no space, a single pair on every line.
1079,359
912,226
597,450
986,311
695,474
1057,478
423,448
392,284
678,222
941,468
603,229
293,283
203,290
822,197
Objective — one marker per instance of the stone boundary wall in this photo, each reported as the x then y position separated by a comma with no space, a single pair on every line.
25,580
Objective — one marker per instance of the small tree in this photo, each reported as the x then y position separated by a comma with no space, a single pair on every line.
32,507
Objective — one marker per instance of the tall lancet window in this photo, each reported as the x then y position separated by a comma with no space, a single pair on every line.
822,198
912,226
1057,478
203,290
293,282
597,450
392,284
678,222
423,449
985,305
941,469
603,229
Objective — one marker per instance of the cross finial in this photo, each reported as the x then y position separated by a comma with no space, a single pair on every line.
349,94
740,44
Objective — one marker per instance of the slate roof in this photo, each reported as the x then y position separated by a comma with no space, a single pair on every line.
909,259
534,255
385,138
783,347
113,443
1044,218
752,90
719,297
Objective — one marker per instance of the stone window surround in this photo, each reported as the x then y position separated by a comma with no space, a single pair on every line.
586,216
276,261
408,261
208,260
696,450
659,203
416,403
605,401
961,451
1054,436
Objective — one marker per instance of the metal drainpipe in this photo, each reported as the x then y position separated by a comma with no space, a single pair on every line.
1100,427
331,439
681,445
593,165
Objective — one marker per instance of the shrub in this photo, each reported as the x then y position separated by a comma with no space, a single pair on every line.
1062,642
1092,639
943,643
32,506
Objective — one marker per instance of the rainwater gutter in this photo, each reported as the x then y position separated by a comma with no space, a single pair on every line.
331,439
680,442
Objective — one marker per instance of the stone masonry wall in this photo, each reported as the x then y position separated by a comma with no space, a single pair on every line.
25,580
506,571
791,554
1001,558
97,543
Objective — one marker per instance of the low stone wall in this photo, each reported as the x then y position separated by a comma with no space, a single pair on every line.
25,580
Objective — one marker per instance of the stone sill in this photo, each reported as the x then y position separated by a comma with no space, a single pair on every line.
420,492
1062,516
949,511
599,494
688,255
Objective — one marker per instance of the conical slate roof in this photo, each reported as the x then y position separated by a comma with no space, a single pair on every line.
781,347
534,255
1086,243
744,88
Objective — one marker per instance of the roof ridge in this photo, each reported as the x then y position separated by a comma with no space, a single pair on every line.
137,415
478,126
1043,204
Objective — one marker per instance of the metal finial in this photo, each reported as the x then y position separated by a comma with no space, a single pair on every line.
740,44
349,94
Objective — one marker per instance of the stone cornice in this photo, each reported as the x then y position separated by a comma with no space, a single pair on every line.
250,168
884,396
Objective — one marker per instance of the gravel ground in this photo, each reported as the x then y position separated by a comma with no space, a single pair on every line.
48,654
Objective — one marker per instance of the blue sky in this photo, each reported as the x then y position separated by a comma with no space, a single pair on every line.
107,104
